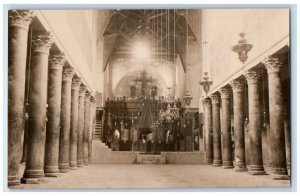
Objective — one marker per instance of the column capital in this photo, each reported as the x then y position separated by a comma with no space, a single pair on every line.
252,77
68,73
20,18
206,101
87,96
272,64
76,81
82,90
57,61
237,85
224,92
215,98
42,42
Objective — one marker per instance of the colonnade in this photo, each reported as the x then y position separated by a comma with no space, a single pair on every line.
60,107
218,155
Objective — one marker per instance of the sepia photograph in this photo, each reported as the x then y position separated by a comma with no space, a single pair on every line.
144,98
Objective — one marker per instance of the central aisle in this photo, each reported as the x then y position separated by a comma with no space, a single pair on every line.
156,176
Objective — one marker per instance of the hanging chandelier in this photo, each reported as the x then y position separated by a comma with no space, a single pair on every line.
187,99
206,83
170,114
242,48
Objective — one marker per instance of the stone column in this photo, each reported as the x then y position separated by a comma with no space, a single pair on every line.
92,112
37,107
80,126
54,106
65,117
255,124
25,140
276,120
216,130
18,22
238,119
86,128
74,122
287,136
207,130
226,128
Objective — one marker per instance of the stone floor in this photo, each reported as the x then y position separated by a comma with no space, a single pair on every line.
155,176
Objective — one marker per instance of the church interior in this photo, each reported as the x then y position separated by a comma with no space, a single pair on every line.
199,87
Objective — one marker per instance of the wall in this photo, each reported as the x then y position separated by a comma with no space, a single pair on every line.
75,32
221,28
194,64
180,79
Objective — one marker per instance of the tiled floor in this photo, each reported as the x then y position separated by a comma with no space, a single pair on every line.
156,176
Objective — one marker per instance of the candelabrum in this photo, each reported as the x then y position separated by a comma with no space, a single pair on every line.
242,48
170,114
206,83
187,99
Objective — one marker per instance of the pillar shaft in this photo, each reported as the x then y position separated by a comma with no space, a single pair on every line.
276,119
216,131
54,108
80,126
207,130
238,118
226,128
74,122
17,49
37,106
287,134
86,128
25,141
92,120
255,124
65,117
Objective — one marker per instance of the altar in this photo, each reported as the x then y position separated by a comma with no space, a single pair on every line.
148,123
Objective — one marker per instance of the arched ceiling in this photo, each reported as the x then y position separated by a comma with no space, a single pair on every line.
166,30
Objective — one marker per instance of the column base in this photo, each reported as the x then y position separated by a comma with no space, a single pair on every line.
209,161
280,174
13,180
281,177
28,174
53,175
79,163
227,165
217,163
20,186
64,168
73,167
85,162
51,169
240,169
257,170
33,180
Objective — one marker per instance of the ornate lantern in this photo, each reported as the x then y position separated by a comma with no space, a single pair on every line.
206,83
187,99
242,48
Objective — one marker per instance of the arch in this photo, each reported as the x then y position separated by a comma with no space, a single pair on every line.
123,86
